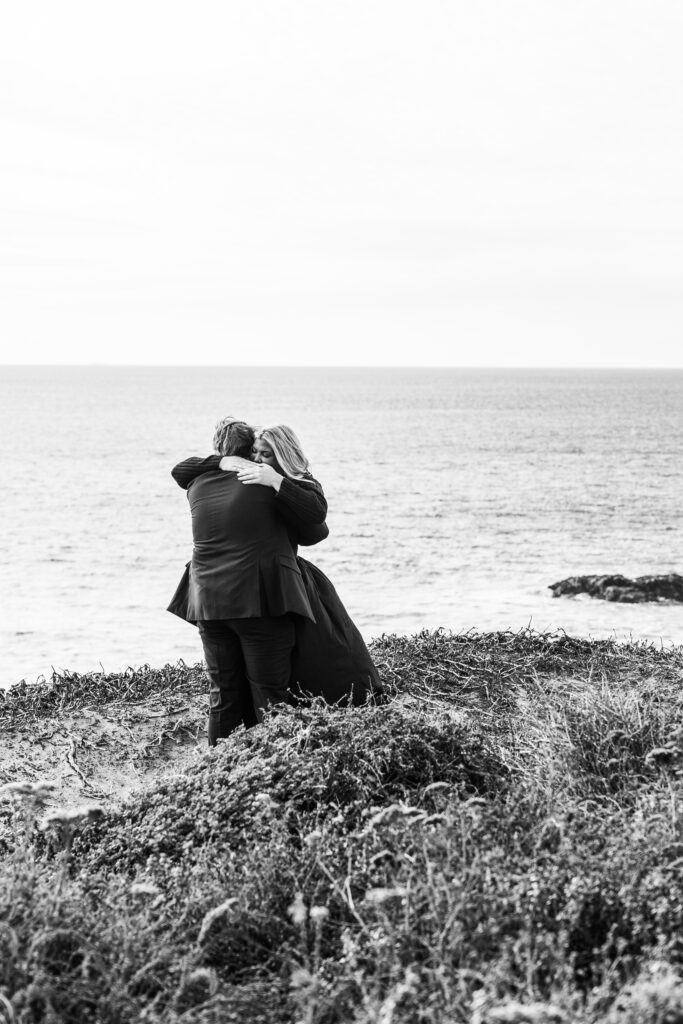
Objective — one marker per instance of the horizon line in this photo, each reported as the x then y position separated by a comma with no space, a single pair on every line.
330,366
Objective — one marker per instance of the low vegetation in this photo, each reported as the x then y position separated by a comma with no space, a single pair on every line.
501,842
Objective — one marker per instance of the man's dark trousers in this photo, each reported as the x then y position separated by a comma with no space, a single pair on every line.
249,664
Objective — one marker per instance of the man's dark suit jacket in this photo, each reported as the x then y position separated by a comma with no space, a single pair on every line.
243,565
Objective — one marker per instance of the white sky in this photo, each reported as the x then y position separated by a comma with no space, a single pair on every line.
471,182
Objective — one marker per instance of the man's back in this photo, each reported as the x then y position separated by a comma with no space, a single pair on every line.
243,565
229,518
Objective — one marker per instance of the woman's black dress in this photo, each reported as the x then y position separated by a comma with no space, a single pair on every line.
330,658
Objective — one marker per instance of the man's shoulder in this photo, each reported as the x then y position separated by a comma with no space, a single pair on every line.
221,483
213,477
214,482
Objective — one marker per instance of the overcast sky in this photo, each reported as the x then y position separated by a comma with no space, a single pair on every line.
359,182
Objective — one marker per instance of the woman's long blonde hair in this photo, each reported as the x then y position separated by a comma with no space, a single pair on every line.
287,450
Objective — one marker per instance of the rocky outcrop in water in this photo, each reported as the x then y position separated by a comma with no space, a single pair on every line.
621,588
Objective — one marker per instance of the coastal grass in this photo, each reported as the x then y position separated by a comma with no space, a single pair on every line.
501,841
27,703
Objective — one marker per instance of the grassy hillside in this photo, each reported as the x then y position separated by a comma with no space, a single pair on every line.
501,842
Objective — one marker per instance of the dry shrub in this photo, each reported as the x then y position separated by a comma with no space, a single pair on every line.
502,841
311,763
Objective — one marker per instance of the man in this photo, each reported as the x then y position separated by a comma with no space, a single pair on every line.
242,589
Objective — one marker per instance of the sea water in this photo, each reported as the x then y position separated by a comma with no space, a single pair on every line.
456,496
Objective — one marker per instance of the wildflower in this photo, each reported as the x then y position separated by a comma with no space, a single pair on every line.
319,914
437,785
394,813
313,838
297,909
266,800
214,915
382,895
349,945
144,889
300,978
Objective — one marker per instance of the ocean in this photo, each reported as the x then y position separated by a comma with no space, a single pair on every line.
456,496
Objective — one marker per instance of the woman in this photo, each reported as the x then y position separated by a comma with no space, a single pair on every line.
299,498
330,659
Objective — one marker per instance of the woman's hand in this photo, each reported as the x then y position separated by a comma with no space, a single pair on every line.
259,473
232,463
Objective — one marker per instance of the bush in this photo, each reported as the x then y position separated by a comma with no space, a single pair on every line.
311,764
499,843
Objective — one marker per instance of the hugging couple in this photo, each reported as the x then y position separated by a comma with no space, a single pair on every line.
271,623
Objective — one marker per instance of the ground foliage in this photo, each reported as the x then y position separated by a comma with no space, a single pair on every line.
26,703
500,842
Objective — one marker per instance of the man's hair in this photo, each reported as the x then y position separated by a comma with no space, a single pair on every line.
233,437
287,450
